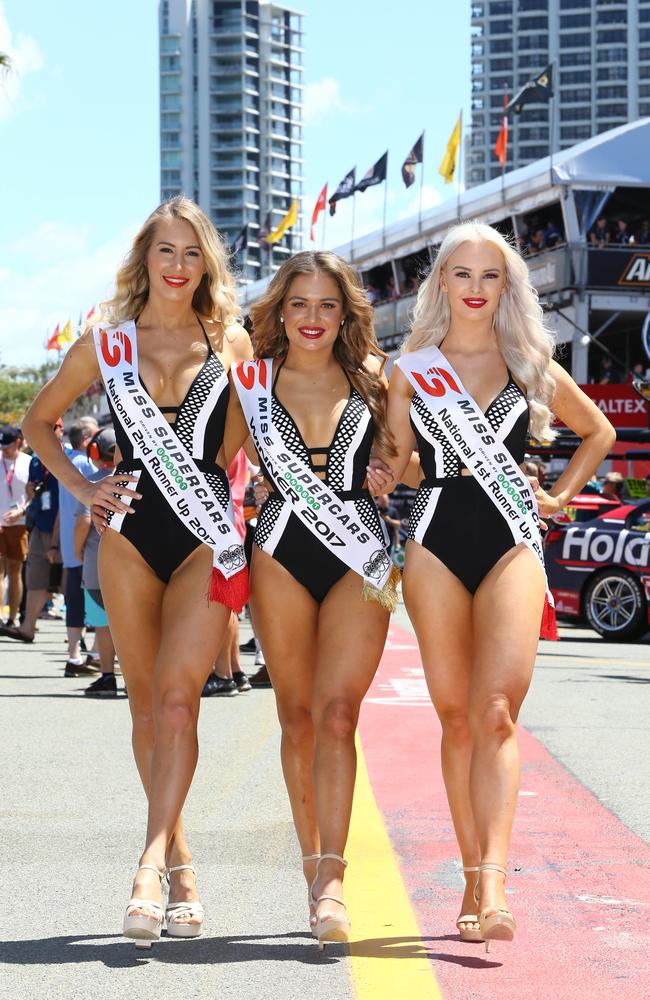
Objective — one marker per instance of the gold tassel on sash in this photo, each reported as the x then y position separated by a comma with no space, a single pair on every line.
387,596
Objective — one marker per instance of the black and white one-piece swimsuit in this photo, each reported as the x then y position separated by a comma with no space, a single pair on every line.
160,537
452,516
281,533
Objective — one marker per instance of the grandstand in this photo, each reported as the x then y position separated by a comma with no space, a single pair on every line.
595,297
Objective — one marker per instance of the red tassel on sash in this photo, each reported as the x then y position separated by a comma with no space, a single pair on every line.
233,593
548,628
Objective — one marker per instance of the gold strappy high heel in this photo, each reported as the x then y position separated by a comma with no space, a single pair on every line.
330,928
469,933
496,924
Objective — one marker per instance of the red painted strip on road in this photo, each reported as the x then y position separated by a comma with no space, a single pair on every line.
581,897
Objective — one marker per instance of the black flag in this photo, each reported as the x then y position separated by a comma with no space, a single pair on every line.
241,242
344,190
415,156
538,89
376,174
265,229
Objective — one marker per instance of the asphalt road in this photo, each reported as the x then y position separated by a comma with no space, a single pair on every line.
72,819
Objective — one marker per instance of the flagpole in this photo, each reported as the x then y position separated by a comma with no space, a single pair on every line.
383,234
421,186
505,158
551,130
354,198
460,163
324,223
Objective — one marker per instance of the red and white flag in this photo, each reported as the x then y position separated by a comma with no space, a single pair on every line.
501,146
318,208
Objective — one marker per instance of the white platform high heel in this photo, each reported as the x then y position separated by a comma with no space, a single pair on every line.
182,928
143,928
330,928
496,924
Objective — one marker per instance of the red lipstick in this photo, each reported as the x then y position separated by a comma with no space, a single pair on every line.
174,282
475,303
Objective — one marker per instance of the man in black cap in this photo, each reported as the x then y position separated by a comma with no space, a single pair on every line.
14,476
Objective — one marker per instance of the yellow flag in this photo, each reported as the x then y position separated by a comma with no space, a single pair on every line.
66,336
450,159
289,220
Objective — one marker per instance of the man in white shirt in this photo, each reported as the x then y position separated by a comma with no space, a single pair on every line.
14,474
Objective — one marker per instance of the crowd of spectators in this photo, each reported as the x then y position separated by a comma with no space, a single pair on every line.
618,232
539,235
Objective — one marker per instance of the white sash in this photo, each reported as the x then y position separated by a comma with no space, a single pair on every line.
468,432
156,444
334,522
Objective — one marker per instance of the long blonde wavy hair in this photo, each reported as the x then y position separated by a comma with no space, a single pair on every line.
216,295
355,342
525,343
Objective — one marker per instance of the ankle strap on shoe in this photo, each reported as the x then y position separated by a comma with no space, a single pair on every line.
151,868
311,857
489,867
334,857
474,868
180,868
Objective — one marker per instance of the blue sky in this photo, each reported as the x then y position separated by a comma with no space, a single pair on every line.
79,129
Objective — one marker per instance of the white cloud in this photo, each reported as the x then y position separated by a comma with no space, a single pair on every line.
26,57
324,98
68,278
50,241
430,198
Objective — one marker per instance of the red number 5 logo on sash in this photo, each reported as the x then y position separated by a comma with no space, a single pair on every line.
112,355
434,386
247,371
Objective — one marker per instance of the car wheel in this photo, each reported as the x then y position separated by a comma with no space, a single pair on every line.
615,606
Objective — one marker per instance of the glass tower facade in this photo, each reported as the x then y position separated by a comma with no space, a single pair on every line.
231,117
601,53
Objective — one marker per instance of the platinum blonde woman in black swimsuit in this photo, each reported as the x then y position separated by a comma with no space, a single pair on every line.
475,596
154,572
322,640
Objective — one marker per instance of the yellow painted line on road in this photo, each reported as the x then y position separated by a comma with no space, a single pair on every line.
387,956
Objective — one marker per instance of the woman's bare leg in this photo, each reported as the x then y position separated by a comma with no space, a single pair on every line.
286,620
134,604
504,657
441,613
351,639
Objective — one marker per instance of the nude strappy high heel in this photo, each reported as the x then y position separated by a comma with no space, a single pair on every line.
469,933
330,928
144,929
311,902
497,925
182,928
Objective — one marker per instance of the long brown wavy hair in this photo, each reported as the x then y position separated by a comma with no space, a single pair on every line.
355,342
216,295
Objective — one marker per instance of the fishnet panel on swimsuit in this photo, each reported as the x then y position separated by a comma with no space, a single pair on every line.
450,460
267,520
343,439
418,510
195,401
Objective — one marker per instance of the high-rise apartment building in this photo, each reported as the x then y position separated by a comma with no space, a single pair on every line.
231,117
601,53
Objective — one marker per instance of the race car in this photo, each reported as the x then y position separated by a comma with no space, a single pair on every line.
599,570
